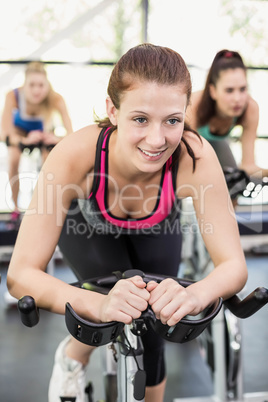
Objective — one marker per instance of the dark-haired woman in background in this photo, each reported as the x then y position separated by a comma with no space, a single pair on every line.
223,104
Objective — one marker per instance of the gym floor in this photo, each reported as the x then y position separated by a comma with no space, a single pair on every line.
26,354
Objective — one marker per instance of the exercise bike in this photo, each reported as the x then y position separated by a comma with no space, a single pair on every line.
126,340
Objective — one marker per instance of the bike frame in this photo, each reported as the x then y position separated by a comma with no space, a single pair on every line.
131,376
226,330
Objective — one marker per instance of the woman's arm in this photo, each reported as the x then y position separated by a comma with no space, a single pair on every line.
63,111
64,176
61,179
219,230
218,225
50,138
249,124
7,127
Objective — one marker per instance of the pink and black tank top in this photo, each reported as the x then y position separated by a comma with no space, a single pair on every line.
96,211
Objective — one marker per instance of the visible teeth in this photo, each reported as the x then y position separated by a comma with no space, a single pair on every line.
149,153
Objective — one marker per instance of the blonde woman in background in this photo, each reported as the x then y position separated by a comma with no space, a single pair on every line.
27,121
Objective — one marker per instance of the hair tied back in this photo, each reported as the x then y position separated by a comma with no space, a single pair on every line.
228,54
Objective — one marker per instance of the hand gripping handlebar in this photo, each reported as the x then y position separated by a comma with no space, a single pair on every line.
97,334
103,333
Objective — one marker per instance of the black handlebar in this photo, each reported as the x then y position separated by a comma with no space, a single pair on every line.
29,313
249,305
98,334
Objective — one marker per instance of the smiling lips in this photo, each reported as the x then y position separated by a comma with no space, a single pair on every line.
151,154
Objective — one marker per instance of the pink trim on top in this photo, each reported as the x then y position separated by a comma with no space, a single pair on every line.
165,203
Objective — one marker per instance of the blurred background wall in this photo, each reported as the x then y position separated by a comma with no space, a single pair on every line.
82,31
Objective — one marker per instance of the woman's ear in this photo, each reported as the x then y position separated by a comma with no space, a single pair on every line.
212,91
111,111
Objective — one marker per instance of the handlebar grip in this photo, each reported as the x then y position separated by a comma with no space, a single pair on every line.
187,329
29,313
90,333
132,272
248,306
98,334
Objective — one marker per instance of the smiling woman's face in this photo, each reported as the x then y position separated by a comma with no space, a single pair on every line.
150,123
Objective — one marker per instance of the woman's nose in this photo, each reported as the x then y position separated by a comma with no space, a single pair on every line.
238,95
155,137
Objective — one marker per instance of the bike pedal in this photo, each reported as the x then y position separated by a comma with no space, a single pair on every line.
139,385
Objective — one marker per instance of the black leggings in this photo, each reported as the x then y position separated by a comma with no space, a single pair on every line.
91,254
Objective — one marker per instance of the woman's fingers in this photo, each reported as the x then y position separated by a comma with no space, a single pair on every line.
171,302
164,291
151,286
33,137
130,297
126,300
173,312
138,281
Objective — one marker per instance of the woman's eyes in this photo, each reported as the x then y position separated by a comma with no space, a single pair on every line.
231,90
171,122
140,120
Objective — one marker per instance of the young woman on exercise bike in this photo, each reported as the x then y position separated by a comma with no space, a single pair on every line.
27,121
128,173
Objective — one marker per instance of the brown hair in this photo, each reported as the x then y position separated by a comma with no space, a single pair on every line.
224,60
147,62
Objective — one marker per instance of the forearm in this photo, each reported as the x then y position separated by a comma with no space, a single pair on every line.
248,158
52,294
224,281
248,148
14,139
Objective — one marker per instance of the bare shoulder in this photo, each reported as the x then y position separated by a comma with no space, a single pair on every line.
251,115
207,166
80,144
196,142
11,98
253,106
74,157
57,100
